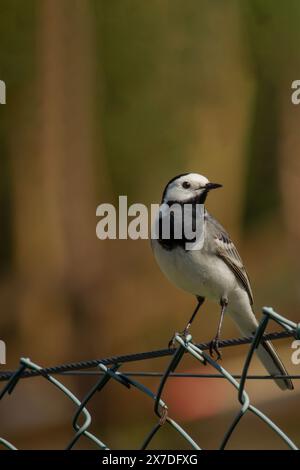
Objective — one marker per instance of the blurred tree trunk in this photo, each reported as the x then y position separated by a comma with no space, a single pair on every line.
290,164
55,199
274,35
289,178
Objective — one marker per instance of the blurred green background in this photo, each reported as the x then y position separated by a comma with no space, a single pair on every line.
116,97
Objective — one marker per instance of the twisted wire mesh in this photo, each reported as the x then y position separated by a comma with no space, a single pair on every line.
105,374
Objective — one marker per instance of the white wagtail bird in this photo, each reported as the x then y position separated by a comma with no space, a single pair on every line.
215,271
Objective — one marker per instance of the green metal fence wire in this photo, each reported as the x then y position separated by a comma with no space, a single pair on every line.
108,369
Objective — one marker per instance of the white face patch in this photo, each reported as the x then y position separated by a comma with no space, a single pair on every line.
185,187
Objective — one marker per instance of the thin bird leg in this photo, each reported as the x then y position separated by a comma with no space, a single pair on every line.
200,302
214,344
185,331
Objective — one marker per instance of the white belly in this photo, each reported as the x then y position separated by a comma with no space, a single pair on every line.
195,272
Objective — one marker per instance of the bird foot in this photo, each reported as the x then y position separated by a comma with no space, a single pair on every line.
214,348
183,335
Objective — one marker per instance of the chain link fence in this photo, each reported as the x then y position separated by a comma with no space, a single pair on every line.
108,369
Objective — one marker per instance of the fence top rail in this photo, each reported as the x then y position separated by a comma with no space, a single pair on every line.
140,356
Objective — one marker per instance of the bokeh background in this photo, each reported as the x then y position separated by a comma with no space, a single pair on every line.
116,97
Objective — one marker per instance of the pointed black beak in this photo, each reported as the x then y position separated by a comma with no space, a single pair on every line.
211,186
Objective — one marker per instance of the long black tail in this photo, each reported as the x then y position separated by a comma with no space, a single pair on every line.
270,359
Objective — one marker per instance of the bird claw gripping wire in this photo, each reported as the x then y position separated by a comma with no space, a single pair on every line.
214,348
183,334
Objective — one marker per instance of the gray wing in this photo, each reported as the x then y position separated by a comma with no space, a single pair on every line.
226,250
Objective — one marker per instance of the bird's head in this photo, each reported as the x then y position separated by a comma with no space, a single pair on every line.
187,188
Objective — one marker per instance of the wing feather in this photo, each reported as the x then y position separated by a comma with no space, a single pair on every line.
226,250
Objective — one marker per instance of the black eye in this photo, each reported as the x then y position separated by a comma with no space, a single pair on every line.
186,185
